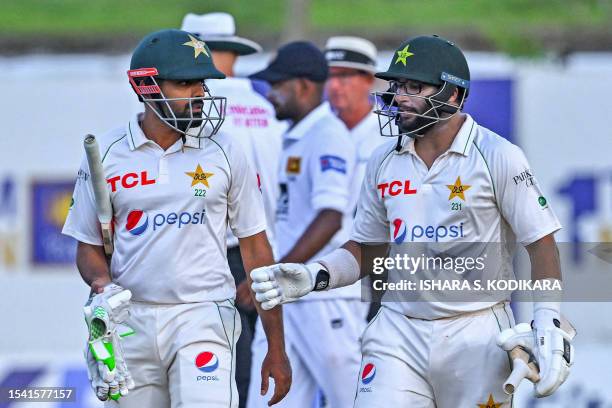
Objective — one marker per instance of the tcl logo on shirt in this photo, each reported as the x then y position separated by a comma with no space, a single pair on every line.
130,180
395,188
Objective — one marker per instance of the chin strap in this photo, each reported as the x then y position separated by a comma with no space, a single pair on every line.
398,146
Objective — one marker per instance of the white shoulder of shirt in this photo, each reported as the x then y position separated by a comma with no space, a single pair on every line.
494,149
116,138
230,147
380,154
329,127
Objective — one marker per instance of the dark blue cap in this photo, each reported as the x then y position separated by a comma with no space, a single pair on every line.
298,59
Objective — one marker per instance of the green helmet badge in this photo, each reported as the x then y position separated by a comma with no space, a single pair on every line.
403,54
199,47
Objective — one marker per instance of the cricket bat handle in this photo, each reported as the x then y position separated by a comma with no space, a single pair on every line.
522,367
102,197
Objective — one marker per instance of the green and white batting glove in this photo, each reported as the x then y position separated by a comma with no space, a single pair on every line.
107,370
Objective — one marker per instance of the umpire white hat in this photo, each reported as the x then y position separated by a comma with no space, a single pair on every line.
351,52
218,30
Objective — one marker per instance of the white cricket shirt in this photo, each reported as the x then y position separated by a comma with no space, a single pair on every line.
171,213
316,171
480,191
251,120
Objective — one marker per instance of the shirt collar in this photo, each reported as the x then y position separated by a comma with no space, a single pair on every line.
137,138
461,143
302,127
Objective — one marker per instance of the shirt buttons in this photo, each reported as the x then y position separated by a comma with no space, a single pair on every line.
163,177
426,188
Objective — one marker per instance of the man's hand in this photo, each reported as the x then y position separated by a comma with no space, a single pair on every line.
550,342
256,251
276,365
283,283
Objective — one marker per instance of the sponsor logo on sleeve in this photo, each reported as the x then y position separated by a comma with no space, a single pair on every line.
82,175
335,163
525,177
294,165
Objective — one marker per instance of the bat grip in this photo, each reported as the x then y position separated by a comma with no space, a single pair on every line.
520,370
107,238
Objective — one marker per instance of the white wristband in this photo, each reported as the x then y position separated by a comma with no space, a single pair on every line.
547,305
342,267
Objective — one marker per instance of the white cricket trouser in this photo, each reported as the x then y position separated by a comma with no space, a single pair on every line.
444,363
322,342
182,356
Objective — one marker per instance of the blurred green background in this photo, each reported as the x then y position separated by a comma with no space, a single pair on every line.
518,27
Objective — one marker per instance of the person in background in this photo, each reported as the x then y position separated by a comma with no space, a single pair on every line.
313,215
250,120
352,65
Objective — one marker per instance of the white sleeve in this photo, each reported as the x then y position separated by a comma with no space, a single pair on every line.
245,208
82,222
331,169
371,223
520,198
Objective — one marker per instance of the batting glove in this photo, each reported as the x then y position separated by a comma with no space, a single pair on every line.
107,370
549,338
283,283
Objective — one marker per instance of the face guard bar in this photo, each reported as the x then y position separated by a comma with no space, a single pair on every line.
201,124
388,110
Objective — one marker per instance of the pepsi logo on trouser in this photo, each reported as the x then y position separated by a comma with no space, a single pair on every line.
368,373
207,362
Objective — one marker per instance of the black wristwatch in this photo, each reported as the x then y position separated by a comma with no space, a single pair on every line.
322,281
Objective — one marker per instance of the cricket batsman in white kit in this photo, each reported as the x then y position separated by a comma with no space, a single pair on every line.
174,186
446,180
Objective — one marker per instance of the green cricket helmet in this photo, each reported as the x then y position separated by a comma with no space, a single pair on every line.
430,60
179,56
